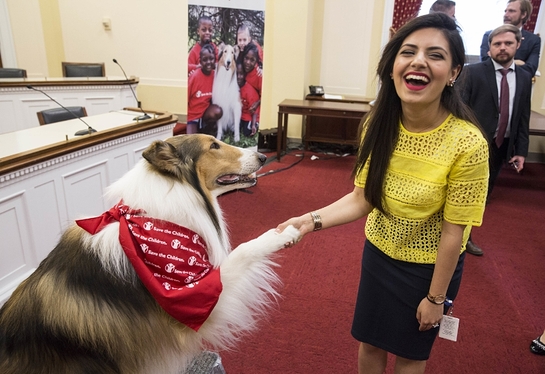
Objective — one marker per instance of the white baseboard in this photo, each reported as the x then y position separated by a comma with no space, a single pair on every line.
536,157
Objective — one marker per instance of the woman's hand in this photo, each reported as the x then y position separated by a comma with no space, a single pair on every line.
303,223
348,208
429,315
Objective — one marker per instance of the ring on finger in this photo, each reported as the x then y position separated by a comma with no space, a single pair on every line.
435,325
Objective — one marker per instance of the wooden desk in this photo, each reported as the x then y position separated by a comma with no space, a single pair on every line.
319,109
24,148
49,177
343,99
18,104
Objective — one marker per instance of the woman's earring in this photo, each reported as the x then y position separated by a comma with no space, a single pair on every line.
392,75
451,83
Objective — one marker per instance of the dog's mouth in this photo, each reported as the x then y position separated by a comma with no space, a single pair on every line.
229,179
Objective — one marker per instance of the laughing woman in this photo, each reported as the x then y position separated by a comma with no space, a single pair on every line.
421,179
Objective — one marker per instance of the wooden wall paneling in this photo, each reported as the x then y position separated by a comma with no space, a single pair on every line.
84,189
48,218
17,259
119,165
38,201
9,114
18,104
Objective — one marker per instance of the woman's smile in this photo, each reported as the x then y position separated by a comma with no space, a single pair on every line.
416,81
423,67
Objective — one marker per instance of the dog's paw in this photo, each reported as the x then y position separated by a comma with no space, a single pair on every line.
278,240
271,241
268,242
292,234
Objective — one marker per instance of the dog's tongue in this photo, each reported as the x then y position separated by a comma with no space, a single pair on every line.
229,178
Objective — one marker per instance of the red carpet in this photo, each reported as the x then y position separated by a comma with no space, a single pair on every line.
500,304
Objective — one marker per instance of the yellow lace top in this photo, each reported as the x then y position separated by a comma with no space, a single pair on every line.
433,176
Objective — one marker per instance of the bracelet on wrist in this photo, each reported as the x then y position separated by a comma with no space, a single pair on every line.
437,300
317,221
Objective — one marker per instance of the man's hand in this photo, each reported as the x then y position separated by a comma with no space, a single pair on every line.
517,162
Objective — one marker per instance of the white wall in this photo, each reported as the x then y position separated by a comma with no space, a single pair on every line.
345,54
26,30
148,38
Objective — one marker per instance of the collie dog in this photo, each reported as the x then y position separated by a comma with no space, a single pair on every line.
87,309
226,92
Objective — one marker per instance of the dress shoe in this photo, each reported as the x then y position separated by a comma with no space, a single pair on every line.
473,249
537,347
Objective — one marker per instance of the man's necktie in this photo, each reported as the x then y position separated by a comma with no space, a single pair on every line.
504,107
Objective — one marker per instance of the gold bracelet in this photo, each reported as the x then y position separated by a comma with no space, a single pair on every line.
317,221
437,300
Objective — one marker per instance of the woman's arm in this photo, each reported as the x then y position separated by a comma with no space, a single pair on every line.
347,209
447,259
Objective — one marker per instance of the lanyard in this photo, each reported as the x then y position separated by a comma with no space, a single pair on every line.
450,305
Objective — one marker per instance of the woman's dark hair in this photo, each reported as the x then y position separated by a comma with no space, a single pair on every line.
249,47
382,121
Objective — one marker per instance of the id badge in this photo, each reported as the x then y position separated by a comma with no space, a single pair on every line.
448,329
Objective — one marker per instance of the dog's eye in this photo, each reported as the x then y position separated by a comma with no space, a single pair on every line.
214,146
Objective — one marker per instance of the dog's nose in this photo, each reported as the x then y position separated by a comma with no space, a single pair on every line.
262,158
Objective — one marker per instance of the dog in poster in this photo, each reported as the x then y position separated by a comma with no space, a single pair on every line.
226,92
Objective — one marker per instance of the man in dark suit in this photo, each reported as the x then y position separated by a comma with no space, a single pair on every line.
517,13
481,87
444,6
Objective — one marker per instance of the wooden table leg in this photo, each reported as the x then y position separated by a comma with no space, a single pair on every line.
307,131
281,140
285,133
279,136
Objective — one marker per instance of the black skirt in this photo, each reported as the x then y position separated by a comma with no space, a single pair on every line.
388,296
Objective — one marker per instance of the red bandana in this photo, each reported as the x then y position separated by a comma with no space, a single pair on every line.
170,260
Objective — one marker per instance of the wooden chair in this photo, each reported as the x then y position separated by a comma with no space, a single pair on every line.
83,69
60,114
12,73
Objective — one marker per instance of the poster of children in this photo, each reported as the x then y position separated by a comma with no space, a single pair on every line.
225,69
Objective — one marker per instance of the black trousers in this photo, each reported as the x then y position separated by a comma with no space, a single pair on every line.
498,156
496,159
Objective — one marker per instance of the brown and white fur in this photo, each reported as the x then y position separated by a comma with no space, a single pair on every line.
226,92
85,311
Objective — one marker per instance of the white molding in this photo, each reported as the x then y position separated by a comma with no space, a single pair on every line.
387,21
45,166
18,104
111,87
163,82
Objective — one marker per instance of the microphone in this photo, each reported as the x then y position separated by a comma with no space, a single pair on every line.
145,116
89,129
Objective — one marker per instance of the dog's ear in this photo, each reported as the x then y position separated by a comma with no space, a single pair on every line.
221,46
164,157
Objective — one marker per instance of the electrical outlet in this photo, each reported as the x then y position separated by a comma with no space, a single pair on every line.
107,23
